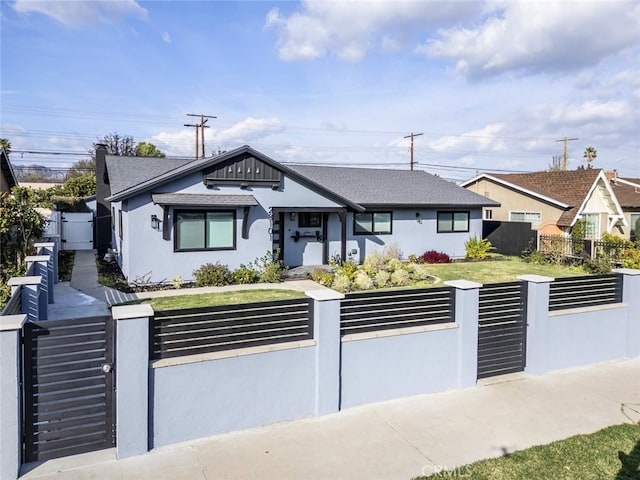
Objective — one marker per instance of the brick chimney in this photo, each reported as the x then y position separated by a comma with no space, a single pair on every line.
612,175
103,208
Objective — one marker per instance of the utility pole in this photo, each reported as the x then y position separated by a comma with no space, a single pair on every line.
199,126
411,137
564,155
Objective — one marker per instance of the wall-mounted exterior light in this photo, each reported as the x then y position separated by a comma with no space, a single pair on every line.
418,217
155,222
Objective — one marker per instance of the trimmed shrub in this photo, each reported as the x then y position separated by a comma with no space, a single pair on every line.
477,248
322,276
341,283
212,275
382,278
244,275
400,277
433,256
363,281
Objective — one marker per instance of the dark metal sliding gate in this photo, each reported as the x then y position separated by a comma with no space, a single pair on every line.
68,387
502,329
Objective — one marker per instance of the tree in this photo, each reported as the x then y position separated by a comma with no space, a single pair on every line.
6,144
81,168
590,155
117,144
144,149
20,225
82,186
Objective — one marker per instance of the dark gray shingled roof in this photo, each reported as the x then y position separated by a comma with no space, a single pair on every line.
354,187
371,187
205,199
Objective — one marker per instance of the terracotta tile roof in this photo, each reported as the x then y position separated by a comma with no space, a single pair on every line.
627,195
570,187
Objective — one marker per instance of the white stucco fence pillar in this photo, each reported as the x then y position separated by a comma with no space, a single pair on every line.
467,303
132,378
326,332
51,249
537,322
41,268
30,287
10,421
631,297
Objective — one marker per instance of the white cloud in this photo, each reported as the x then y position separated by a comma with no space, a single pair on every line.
539,36
247,131
166,37
477,140
590,111
83,13
349,29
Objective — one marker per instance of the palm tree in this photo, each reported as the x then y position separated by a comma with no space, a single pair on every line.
590,155
6,144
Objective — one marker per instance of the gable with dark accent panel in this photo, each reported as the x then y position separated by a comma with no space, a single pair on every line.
244,170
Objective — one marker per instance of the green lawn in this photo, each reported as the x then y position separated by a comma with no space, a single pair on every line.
221,298
504,269
612,453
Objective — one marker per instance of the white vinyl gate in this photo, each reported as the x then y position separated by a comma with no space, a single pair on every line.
77,231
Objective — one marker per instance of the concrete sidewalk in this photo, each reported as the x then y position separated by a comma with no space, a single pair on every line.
399,439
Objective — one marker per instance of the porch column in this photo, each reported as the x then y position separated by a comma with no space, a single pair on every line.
10,421
343,236
132,378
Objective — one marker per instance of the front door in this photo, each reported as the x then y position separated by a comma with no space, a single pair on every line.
304,238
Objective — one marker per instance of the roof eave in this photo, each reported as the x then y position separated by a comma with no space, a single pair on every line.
518,188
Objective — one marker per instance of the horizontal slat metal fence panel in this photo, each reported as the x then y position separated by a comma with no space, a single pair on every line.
175,333
68,397
578,292
501,329
385,310
14,305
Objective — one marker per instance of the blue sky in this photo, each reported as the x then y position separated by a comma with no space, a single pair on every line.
491,85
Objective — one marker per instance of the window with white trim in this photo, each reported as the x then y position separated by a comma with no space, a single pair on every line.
592,225
533,218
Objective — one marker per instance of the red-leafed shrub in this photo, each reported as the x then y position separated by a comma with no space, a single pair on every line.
434,257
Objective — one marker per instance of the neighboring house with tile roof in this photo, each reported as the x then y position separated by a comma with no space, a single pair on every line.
170,216
627,191
8,178
553,201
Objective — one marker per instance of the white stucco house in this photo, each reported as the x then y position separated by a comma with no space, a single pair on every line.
170,216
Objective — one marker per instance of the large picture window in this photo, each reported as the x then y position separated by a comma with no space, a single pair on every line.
200,230
375,223
453,222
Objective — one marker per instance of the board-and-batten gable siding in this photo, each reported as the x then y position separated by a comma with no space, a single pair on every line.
514,201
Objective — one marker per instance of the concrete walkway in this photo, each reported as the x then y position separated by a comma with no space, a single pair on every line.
399,439
83,296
